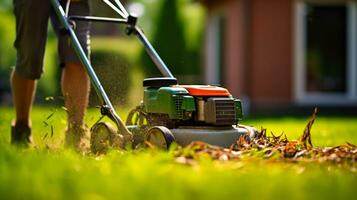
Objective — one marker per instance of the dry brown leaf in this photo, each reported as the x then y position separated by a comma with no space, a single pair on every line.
294,150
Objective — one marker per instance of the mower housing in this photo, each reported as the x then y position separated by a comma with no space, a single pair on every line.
180,105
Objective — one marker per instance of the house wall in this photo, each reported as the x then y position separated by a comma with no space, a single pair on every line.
236,53
236,57
258,48
271,52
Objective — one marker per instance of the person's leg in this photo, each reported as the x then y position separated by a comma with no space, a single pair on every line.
75,82
23,91
75,89
31,33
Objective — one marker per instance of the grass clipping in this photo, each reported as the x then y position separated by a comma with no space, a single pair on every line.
272,147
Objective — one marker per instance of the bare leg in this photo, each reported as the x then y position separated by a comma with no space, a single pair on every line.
75,89
23,92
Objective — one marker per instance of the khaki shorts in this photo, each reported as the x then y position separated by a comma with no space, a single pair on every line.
32,18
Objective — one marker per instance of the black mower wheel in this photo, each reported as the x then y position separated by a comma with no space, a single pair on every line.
160,137
101,134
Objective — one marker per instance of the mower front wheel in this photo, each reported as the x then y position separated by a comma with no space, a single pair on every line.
159,137
101,134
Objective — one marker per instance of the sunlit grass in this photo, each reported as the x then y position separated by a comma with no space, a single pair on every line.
55,173
326,131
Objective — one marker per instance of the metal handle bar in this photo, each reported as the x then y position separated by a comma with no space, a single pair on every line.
132,29
110,111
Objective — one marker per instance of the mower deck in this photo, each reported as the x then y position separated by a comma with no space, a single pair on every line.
220,136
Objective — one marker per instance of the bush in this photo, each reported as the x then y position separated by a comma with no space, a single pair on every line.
177,39
112,69
7,54
169,41
7,36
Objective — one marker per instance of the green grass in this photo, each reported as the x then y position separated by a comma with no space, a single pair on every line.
54,173
326,131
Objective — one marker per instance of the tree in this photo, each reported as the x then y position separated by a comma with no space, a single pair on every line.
169,41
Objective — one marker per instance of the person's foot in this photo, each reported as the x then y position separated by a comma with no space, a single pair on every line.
21,134
78,137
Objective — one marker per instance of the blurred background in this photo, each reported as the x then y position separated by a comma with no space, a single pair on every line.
278,56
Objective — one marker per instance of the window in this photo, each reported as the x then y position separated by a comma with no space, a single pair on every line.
325,68
215,50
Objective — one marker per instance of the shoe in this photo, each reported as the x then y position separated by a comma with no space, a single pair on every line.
78,137
21,134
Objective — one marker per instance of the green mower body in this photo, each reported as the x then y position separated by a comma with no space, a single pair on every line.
186,113
174,105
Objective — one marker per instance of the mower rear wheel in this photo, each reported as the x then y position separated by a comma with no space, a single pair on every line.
100,137
159,137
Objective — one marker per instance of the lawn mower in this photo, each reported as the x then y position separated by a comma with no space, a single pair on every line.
169,112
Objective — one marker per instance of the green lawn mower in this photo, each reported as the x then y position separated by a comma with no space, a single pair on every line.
169,112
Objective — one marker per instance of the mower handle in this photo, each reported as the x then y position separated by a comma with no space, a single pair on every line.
107,108
106,104
132,28
152,53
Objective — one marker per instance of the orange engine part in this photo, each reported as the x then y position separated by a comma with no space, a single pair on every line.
205,90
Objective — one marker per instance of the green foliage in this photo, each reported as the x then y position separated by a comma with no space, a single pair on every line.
49,172
7,54
7,37
116,64
175,39
112,69
5,5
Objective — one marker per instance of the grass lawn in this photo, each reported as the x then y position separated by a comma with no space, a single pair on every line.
51,172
